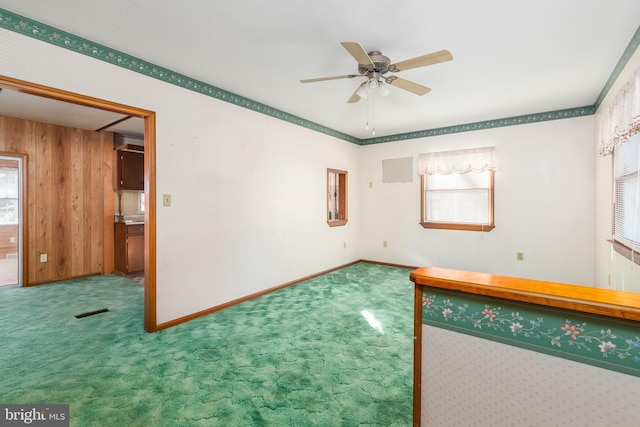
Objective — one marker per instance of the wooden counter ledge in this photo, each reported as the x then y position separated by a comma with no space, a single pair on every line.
607,302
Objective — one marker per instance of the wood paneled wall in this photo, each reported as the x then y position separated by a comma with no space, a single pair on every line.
8,240
69,198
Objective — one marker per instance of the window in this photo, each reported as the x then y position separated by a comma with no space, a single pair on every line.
141,202
336,197
457,189
9,195
626,172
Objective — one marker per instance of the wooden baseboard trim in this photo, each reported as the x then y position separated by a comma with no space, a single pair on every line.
80,276
193,316
390,264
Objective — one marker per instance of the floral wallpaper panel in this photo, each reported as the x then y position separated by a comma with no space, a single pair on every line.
596,340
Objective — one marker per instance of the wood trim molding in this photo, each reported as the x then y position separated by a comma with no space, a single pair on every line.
342,197
457,226
150,322
25,219
150,242
66,96
24,262
390,264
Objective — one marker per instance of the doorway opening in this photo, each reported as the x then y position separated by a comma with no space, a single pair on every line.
149,117
11,219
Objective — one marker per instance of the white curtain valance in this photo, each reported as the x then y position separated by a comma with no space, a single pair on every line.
457,161
622,120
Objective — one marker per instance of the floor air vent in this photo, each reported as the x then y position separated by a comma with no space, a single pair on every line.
91,313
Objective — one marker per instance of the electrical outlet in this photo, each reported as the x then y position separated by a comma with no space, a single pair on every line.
43,257
520,256
384,244
370,184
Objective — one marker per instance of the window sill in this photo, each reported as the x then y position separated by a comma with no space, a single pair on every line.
625,251
337,222
451,226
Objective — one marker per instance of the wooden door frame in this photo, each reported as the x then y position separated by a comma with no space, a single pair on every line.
23,247
150,319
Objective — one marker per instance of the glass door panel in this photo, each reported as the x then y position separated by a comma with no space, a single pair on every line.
10,220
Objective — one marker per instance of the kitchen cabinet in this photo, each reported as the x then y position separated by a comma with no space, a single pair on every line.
129,247
130,166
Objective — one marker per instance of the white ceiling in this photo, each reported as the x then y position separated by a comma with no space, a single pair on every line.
45,110
511,57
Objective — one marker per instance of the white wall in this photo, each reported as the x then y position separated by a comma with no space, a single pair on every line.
612,270
248,191
543,205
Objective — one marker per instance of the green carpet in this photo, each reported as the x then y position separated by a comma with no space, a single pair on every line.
335,350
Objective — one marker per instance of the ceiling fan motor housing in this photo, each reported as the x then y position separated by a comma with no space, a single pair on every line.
380,61
374,65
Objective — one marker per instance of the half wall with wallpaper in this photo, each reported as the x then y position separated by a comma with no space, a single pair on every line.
496,350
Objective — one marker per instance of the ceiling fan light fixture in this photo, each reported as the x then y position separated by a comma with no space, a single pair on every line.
372,85
383,90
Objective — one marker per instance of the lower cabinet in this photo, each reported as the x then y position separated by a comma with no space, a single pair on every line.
129,248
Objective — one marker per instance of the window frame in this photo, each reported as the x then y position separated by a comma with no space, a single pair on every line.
458,225
620,245
342,197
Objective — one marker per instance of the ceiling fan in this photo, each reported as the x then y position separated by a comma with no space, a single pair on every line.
374,65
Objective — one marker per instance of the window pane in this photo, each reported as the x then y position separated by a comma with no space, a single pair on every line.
469,207
141,202
333,195
458,198
627,193
8,211
459,181
627,224
8,195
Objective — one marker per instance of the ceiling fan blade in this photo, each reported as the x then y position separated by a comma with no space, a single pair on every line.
355,97
422,61
322,79
407,85
358,53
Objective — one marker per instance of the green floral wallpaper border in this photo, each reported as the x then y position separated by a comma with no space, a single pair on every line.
595,340
622,62
54,36
470,127
48,34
